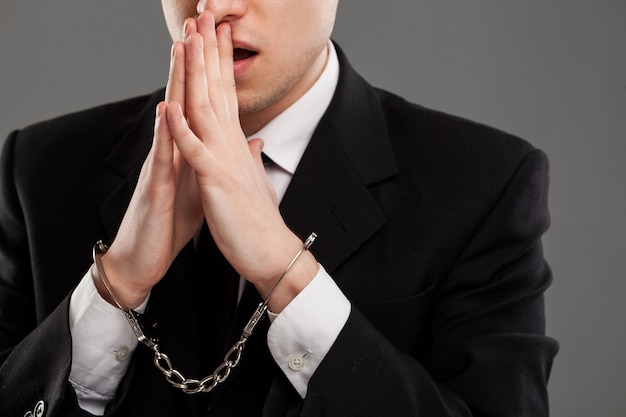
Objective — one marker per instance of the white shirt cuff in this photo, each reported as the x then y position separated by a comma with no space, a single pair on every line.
303,333
102,346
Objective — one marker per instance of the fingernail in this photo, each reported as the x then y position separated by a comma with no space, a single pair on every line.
179,110
185,28
173,51
201,6
160,109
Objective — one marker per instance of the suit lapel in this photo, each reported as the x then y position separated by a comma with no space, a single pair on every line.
122,167
348,152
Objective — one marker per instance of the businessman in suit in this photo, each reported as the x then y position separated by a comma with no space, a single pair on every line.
421,296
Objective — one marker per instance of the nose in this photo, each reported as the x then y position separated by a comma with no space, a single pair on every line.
223,10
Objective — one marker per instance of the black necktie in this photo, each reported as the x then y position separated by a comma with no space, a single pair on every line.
267,161
220,301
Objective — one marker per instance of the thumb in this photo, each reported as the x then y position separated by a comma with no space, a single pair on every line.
256,147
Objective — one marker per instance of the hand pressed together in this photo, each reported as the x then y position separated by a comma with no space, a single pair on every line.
200,168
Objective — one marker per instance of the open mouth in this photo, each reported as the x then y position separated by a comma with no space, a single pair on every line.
239,54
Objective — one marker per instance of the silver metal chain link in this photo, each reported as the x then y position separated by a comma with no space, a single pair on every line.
163,362
219,375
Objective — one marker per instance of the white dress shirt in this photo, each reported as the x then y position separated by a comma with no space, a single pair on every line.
299,337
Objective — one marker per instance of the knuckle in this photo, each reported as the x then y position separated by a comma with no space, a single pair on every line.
205,107
214,79
197,150
200,110
230,87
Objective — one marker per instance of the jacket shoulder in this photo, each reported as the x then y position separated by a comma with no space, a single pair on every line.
97,127
407,118
442,142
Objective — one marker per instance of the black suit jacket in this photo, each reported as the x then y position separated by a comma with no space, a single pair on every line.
429,223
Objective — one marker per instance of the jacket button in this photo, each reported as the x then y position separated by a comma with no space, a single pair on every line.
40,409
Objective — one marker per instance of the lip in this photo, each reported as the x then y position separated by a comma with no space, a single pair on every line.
241,66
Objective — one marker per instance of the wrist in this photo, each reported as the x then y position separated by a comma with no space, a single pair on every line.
296,280
102,291
128,296
297,269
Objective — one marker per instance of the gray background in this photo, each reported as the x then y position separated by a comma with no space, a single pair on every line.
550,71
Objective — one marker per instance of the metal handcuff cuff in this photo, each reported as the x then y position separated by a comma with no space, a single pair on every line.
162,361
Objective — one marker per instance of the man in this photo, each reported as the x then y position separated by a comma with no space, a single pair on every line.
429,226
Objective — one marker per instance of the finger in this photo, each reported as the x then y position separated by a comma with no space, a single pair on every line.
201,6
162,147
189,145
197,104
176,82
225,47
256,147
175,90
189,27
206,27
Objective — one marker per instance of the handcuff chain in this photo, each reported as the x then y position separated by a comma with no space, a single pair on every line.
163,362
219,375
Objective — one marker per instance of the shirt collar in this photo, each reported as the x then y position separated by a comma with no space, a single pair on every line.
288,134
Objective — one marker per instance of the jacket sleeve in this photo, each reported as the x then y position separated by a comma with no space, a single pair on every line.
17,303
485,352
23,382
35,358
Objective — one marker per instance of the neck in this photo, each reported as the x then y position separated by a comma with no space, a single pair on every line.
255,121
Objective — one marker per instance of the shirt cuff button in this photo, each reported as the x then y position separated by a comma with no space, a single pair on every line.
122,354
296,362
